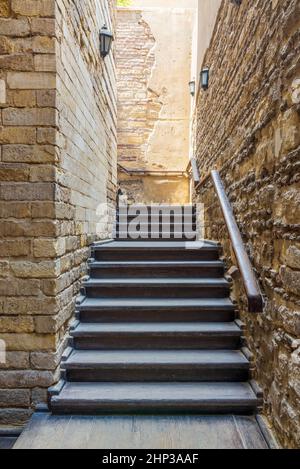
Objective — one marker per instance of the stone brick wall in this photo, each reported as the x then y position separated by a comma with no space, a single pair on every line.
153,71
58,163
248,127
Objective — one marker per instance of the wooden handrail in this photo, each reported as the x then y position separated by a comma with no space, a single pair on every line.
254,295
253,292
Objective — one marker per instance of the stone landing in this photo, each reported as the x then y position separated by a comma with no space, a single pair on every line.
46,431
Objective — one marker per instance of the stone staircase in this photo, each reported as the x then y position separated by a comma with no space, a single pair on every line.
156,332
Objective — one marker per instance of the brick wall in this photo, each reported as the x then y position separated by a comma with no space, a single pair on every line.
248,127
58,163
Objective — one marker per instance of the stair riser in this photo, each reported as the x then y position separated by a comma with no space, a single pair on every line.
144,219
140,291
164,407
148,227
155,237
158,373
158,255
156,272
149,315
152,342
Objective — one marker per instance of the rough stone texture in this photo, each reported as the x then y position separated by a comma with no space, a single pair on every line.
248,126
153,70
57,164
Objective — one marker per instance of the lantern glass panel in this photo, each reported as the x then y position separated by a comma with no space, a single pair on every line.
205,78
106,39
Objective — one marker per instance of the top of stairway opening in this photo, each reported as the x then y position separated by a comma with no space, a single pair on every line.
159,222
155,205
157,244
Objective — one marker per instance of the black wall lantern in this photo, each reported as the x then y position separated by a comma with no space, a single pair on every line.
204,78
106,39
192,86
236,2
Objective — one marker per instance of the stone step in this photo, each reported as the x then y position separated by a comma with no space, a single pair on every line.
165,228
145,225
156,365
163,397
145,235
156,251
156,310
147,219
95,336
167,207
157,288
156,269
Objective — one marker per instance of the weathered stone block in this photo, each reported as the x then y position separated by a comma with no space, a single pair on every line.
43,45
21,98
4,269
9,172
26,379
14,398
52,324
293,257
34,7
29,153
6,46
14,27
19,324
41,269
15,210
15,248
30,306
17,135
5,8
27,287
45,62
43,26
65,211
31,80
42,229
48,247
46,136
27,191
43,173
28,117
15,361
46,98
291,280
17,62
290,131
39,396
43,210
27,343
2,92
66,263
294,373
15,417
49,360
287,205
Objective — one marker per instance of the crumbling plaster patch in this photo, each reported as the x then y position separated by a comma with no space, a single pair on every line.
168,142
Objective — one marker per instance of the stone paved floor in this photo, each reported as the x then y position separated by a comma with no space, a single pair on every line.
141,432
